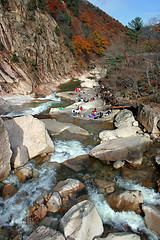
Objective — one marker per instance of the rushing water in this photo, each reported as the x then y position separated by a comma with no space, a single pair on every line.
14,210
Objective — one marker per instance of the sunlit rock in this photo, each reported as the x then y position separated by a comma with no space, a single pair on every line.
55,128
20,156
126,201
5,152
82,221
149,117
24,174
69,186
44,233
54,203
121,236
152,217
124,117
130,149
30,132
118,164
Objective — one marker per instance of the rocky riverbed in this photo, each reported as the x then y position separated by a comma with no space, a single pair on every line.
89,175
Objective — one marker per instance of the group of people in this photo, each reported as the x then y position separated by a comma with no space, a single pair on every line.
77,111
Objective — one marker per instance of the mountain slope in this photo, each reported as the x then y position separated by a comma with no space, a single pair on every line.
43,43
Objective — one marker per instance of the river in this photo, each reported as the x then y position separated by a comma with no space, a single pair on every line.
14,211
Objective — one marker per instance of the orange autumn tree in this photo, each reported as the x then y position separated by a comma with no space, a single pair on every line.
100,43
81,45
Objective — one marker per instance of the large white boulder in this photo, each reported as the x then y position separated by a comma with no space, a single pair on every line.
5,152
82,221
130,149
30,132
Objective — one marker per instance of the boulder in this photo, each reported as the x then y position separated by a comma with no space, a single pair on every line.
24,174
149,117
69,186
126,201
54,203
106,186
130,149
5,152
122,132
30,132
121,236
124,117
152,218
55,127
20,156
45,233
40,212
8,191
82,221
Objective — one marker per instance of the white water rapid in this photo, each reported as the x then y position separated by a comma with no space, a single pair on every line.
19,109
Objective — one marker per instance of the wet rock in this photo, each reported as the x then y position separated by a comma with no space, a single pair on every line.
30,132
149,117
124,117
54,203
45,233
69,186
118,164
82,221
49,222
126,201
78,163
121,236
24,174
130,149
20,156
5,152
8,191
40,212
107,186
152,218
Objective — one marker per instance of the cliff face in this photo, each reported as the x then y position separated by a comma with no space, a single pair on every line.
33,57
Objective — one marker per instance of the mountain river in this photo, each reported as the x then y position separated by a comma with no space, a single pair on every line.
14,211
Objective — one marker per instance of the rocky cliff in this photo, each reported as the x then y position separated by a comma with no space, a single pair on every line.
33,57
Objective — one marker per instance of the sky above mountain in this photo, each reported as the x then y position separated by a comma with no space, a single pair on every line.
126,10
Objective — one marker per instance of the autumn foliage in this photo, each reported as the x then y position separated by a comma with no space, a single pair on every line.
85,26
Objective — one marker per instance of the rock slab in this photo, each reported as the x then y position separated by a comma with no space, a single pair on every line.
5,152
82,221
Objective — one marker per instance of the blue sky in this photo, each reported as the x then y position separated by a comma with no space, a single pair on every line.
126,10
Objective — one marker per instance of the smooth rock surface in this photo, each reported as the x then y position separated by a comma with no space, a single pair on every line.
152,217
82,221
130,149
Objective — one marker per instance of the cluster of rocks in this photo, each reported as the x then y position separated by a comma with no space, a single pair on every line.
126,143
23,138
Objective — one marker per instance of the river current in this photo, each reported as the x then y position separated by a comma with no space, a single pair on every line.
13,211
